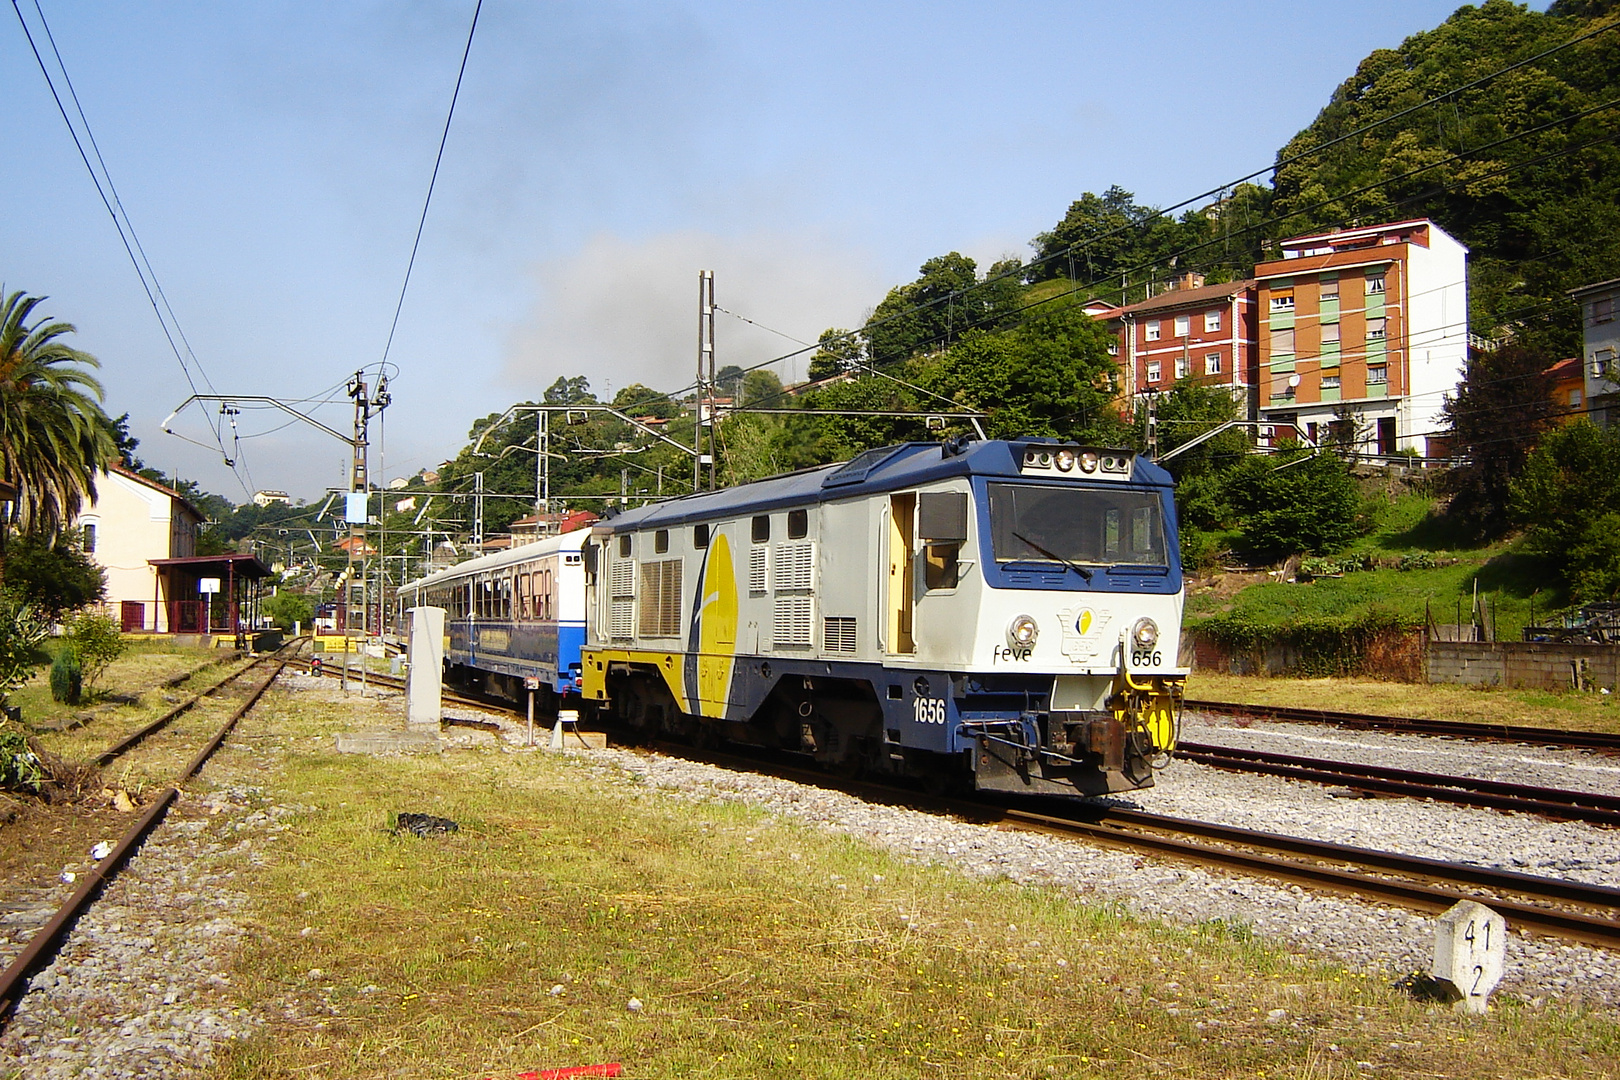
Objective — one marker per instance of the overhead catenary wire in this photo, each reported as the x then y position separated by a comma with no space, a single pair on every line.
127,236
438,159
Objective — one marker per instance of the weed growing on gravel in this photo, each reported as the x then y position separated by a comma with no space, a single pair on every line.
755,947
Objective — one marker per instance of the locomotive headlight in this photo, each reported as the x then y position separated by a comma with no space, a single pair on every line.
1145,633
1065,460
1022,632
1088,462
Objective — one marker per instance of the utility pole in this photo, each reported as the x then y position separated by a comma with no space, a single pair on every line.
478,511
705,377
357,510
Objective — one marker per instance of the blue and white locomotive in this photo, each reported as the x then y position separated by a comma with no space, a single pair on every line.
996,615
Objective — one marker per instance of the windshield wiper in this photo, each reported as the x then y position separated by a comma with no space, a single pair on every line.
1076,567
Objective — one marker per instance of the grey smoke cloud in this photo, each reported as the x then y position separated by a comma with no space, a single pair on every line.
620,311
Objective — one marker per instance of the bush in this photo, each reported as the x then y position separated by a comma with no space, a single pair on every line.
67,676
22,629
98,641
286,608
52,577
1287,504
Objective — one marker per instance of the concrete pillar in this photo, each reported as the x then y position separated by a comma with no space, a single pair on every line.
1470,947
424,682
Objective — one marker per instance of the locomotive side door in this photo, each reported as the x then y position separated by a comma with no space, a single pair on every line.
902,569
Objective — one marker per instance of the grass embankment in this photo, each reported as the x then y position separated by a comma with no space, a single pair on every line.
1440,581
758,948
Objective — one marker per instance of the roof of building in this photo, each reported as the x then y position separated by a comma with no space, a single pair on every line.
1584,289
130,474
1567,369
233,564
1188,297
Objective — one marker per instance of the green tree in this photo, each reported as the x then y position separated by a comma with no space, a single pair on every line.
638,400
1500,411
762,387
1567,498
51,576
570,391
837,351
287,608
1293,502
947,300
54,436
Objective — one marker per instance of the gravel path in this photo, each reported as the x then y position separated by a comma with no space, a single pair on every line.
1373,938
139,990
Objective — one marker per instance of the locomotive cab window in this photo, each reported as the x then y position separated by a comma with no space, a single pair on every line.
798,524
760,529
624,546
942,525
1076,526
700,536
661,541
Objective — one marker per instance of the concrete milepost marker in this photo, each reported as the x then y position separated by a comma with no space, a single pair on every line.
1470,948
424,679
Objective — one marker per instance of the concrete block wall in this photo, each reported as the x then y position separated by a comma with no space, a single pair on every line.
1537,664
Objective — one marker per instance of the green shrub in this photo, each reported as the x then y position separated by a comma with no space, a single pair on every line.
286,608
22,629
67,676
96,638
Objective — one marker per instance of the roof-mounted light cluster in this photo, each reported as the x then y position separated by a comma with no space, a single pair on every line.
1076,463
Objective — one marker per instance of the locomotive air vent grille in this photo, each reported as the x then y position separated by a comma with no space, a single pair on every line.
622,605
838,633
795,567
790,626
756,570
661,598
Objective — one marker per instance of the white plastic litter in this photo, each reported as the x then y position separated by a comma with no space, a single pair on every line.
101,850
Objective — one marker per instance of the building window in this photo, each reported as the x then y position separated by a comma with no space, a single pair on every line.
1283,301
1330,382
1330,288
1282,341
1378,375
1603,310
1330,333
1152,330
1212,321
1212,363
1182,367
1113,348
1375,329
89,538
1183,325
1375,284
1602,363
1153,371
1574,400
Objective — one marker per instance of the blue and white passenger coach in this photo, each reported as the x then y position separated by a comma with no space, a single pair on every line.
511,616
1001,615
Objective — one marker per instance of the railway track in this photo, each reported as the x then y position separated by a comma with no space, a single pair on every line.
1480,731
1376,779
45,942
1549,906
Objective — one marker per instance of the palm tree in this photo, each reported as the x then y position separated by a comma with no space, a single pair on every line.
54,436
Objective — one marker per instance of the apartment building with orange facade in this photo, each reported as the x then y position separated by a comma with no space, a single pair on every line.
1363,333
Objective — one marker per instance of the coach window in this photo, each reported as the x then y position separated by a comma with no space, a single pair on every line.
700,536
660,541
761,529
798,524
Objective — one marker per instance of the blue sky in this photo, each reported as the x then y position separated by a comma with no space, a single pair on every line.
274,158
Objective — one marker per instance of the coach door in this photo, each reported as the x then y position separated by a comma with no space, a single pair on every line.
902,566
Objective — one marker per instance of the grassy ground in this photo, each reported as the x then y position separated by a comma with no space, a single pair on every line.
1511,586
1570,710
756,947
